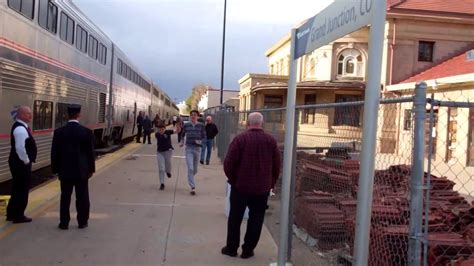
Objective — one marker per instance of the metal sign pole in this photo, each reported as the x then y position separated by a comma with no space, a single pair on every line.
369,142
287,156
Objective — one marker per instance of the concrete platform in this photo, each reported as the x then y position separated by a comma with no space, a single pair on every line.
132,222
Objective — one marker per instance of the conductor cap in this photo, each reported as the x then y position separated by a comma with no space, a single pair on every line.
73,109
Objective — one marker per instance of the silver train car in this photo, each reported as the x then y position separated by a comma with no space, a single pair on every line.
52,55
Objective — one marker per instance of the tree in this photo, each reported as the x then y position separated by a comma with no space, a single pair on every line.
196,94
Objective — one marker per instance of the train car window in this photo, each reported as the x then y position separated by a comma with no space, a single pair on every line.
119,67
102,54
24,7
93,45
61,115
48,15
81,39
102,98
42,115
66,32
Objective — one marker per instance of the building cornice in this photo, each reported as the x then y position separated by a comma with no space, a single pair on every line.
261,76
286,39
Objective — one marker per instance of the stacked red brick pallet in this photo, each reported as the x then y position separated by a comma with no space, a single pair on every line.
451,218
317,213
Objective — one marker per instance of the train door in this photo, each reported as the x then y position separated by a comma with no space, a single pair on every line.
134,116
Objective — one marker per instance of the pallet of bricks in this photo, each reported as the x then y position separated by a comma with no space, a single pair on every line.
326,194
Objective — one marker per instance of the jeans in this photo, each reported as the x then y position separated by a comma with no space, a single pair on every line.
164,164
192,157
207,145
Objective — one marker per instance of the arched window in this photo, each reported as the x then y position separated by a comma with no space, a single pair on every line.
350,64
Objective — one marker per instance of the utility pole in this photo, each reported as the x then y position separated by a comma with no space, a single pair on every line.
223,54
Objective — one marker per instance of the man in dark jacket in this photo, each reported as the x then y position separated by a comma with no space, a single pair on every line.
73,159
252,166
211,132
147,128
139,126
22,155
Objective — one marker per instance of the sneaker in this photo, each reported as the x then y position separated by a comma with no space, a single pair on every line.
162,186
228,252
168,175
202,162
193,192
247,254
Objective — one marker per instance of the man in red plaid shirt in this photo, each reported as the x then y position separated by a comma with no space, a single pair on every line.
252,166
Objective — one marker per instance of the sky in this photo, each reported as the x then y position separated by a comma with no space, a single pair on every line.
178,43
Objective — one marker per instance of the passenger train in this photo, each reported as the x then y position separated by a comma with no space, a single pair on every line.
52,55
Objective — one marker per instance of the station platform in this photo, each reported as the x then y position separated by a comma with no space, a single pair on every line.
132,222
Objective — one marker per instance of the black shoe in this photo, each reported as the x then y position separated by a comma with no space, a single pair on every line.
202,162
228,252
63,226
162,186
149,142
247,254
193,192
168,175
82,226
24,219
207,162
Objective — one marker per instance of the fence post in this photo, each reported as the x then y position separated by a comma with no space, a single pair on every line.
416,182
292,187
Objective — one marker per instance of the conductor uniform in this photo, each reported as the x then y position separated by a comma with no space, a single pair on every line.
73,159
22,155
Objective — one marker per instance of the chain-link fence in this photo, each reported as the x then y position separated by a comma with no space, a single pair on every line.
324,206
448,232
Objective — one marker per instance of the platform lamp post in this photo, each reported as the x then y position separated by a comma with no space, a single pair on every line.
223,54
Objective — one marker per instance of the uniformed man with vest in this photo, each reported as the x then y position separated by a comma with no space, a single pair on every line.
73,159
22,155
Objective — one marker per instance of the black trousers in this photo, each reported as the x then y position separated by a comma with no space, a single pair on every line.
21,178
139,133
238,203
82,201
146,135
